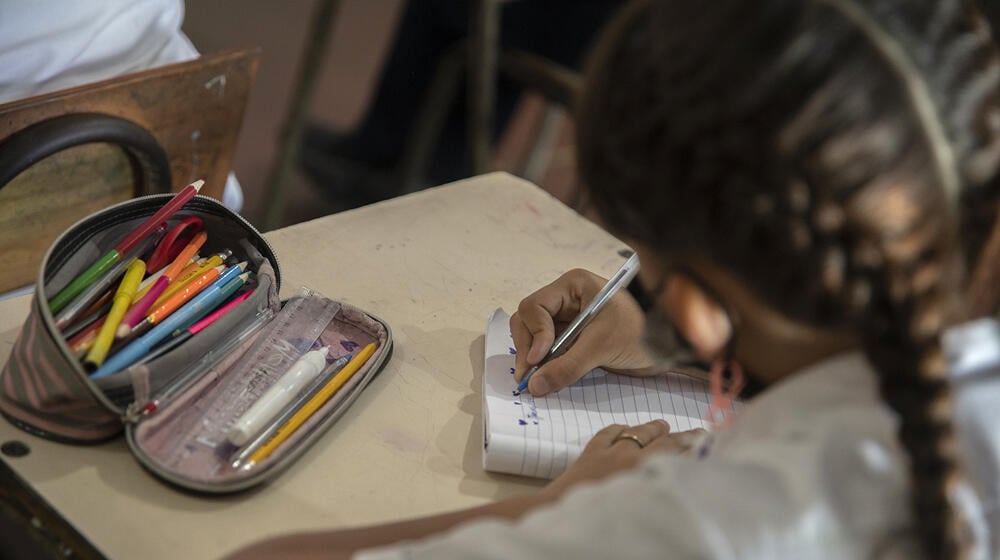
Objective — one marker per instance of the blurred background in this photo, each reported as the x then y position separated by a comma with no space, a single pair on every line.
359,43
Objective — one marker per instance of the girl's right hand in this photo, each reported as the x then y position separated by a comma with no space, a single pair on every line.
612,340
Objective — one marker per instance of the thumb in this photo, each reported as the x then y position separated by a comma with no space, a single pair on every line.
584,355
561,372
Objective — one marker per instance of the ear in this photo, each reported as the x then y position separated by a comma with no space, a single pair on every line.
700,318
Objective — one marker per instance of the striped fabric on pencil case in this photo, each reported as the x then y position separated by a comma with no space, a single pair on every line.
42,394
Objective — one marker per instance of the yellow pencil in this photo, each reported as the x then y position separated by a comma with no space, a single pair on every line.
312,405
186,278
195,263
123,298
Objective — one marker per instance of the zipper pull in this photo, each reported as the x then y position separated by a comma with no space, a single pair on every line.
135,411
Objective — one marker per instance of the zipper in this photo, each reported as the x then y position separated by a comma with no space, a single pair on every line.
379,361
83,230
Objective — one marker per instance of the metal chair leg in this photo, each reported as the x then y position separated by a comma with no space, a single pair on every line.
316,47
482,81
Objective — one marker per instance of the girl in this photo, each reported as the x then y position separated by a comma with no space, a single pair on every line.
810,185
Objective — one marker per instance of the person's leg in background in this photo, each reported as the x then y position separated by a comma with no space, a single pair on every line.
353,167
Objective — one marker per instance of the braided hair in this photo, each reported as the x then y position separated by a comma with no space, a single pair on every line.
839,157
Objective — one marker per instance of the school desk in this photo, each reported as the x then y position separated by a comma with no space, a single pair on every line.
432,264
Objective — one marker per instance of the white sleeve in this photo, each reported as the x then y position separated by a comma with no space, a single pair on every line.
57,44
826,491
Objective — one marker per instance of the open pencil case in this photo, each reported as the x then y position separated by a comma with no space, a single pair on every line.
175,409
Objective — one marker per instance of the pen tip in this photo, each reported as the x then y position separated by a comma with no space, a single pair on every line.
198,184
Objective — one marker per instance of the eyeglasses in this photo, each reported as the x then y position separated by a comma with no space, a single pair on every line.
669,347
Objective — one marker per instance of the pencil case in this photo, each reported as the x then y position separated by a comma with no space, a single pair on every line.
172,409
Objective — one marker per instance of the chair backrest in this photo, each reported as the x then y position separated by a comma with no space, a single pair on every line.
66,154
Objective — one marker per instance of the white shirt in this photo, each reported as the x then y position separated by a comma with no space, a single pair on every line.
812,468
51,45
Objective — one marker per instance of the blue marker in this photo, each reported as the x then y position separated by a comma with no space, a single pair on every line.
210,298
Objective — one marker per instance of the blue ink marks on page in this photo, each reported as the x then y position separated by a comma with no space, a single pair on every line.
350,345
512,371
530,414
512,351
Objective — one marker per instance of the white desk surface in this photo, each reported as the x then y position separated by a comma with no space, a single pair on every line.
433,265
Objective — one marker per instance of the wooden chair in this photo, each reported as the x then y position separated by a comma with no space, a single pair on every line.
66,154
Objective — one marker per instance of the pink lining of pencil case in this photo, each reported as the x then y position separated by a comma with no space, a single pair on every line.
172,439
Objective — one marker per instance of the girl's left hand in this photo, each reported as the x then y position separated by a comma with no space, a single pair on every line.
618,448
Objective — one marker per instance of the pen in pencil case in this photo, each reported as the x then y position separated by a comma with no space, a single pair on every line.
310,407
122,299
178,298
89,318
180,337
192,272
82,333
290,409
306,369
183,258
192,372
106,262
148,299
201,305
157,315
97,287
621,278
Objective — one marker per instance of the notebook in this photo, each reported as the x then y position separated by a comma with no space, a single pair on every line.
540,437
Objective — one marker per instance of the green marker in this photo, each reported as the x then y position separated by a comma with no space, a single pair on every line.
81,282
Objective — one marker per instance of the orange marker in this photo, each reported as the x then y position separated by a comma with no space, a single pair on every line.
145,299
190,272
181,297
176,301
182,260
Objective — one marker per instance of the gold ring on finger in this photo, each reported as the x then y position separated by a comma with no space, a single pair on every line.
629,436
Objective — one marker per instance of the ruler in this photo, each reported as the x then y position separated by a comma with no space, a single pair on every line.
292,332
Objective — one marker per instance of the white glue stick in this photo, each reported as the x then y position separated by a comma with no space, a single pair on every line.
278,395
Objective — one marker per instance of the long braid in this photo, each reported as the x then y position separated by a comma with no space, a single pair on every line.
921,283
843,202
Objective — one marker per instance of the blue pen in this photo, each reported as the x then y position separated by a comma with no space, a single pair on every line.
621,278
210,298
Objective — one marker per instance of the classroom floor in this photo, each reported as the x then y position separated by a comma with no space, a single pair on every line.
359,41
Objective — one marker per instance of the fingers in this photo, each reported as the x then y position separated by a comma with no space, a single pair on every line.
567,368
533,325
643,435
562,371
646,434
532,337
679,442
